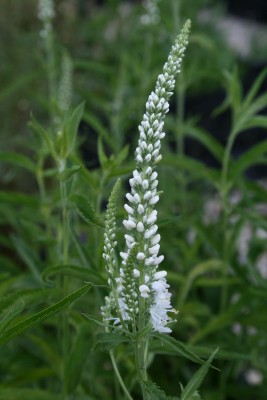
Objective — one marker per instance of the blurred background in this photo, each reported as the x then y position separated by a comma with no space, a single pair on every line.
117,52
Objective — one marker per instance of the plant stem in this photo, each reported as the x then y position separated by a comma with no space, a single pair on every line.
65,257
117,372
225,187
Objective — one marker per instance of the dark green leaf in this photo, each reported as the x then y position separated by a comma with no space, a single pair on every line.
108,341
85,274
77,358
41,316
197,379
27,394
176,347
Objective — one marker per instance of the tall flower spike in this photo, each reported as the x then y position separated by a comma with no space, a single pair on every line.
142,216
150,286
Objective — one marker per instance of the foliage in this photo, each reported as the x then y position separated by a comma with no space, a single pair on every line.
83,89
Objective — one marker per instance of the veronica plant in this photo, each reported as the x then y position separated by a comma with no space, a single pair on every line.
140,302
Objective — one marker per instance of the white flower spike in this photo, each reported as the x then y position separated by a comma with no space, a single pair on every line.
142,288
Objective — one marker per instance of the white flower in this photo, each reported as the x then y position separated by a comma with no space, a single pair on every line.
144,290
138,276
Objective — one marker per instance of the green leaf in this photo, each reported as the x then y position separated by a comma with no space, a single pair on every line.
198,270
29,394
97,125
103,159
255,88
234,90
68,173
207,140
121,156
47,351
108,340
17,199
18,159
176,347
44,135
205,351
154,391
9,313
77,357
70,129
218,322
73,271
41,316
255,155
28,256
197,379
95,320
85,209
18,84
196,168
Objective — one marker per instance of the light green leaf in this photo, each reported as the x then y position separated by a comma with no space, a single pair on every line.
68,173
70,128
154,391
197,379
15,199
255,88
19,160
103,159
41,316
85,209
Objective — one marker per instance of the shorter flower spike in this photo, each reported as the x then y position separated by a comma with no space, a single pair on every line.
110,231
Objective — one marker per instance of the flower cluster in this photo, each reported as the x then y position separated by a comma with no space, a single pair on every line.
139,282
46,13
46,10
152,15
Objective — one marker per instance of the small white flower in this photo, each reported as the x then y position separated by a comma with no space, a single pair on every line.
144,290
151,231
129,209
140,256
160,275
140,227
154,250
129,224
129,238
154,200
155,239
140,209
136,273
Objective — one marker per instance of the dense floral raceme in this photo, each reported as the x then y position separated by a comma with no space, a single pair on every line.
139,280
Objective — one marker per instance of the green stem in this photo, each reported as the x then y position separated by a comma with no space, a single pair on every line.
64,260
141,346
118,375
225,188
180,106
